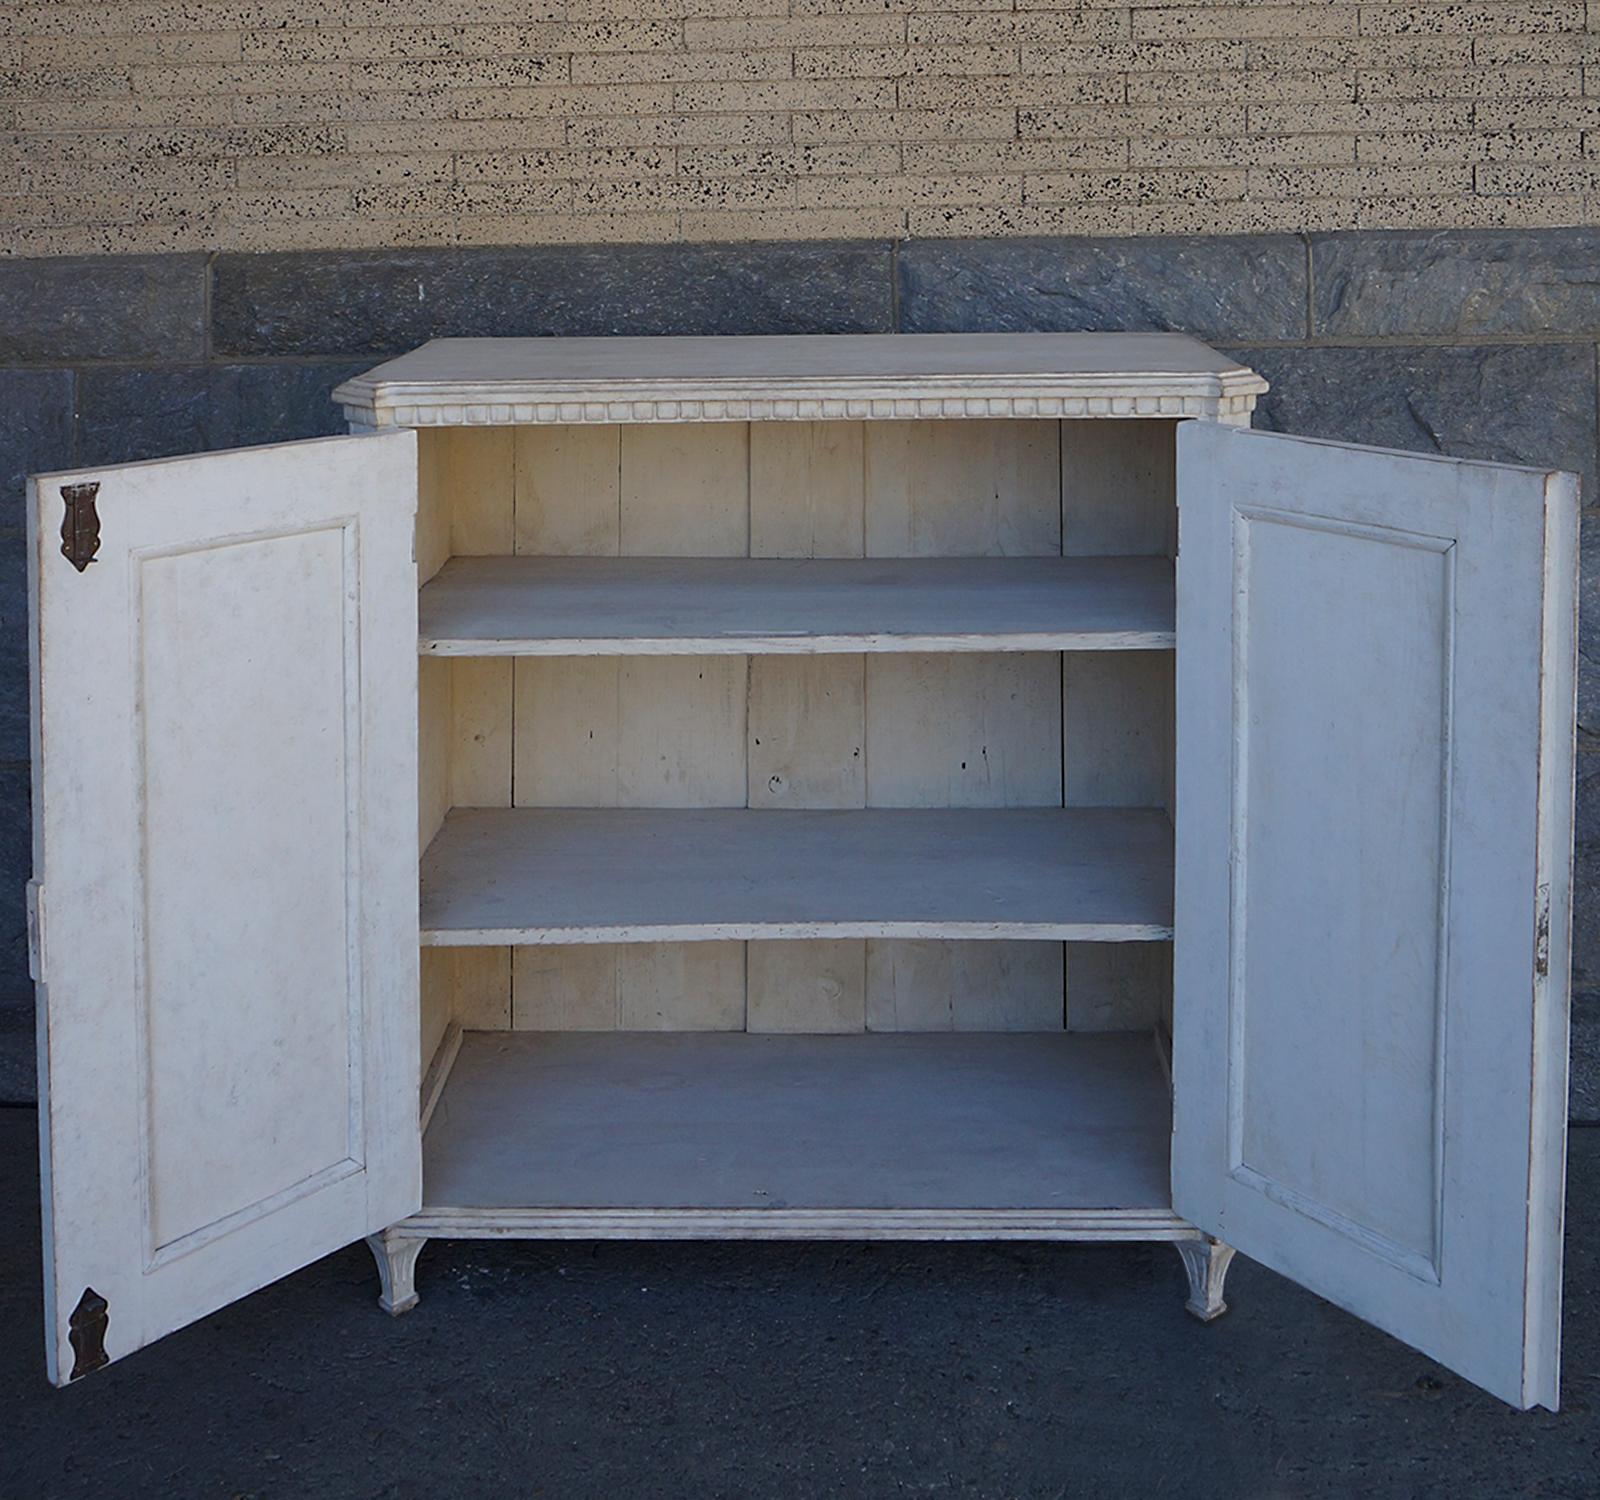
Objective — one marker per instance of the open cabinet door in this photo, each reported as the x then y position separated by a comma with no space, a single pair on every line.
1376,657
224,911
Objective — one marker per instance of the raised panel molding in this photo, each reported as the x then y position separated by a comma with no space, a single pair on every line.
275,874
1324,578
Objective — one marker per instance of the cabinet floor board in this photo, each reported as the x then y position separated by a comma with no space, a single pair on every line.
784,1124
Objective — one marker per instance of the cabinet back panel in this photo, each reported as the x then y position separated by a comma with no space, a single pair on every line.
807,489
1119,489
831,731
568,491
963,489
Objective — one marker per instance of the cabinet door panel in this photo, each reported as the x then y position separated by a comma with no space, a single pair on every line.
1374,817
225,810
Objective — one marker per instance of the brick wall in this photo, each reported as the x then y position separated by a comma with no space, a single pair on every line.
160,125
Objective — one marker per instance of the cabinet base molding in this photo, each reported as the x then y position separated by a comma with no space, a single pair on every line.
396,1255
794,1224
396,1248
1206,1261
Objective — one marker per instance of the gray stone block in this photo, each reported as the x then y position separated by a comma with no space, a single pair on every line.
16,867
385,302
278,403
127,415
1526,404
124,307
14,699
1583,1099
1216,288
1586,886
19,1075
1589,634
1457,283
35,432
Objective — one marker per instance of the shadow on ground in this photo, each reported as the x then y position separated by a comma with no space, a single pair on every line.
660,1370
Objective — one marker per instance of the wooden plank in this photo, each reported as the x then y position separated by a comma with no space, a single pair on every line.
817,986
1118,986
964,731
686,490
476,468
464,986
807,718
624,732
433,502
437,1072
481,990
568,490
634,987
545,875
759,1123
807,746
437,991
680,986
564,988
963,489
1119,489
923,986
480,743
1117,729
435,728
807,489
548,606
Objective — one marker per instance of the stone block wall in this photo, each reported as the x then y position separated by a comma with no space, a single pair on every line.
1481,344
169,125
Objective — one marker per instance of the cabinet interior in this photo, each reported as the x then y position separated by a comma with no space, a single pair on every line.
586,758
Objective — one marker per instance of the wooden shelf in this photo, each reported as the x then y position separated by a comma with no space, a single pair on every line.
608,606
605,875
863,1136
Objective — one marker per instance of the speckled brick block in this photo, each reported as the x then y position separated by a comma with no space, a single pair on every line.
130,124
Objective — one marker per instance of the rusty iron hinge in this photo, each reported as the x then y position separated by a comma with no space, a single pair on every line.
1541,935
80,525
86,1329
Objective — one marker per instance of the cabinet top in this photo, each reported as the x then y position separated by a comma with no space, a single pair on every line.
800,377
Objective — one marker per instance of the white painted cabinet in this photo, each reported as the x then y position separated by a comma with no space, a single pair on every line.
858,787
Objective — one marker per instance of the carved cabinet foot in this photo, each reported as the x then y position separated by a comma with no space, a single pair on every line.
396,1256
1206,1262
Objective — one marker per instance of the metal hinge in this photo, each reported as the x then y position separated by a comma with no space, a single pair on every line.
80,525
1541,935
35,903
86,1332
